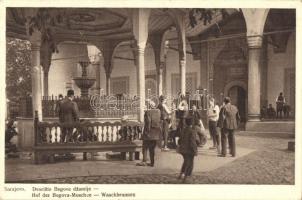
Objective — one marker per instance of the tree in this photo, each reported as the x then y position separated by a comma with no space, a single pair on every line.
18,69
205,15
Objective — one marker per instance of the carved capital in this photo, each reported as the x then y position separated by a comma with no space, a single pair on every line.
140,50
35,38
182,62
254,42
162,65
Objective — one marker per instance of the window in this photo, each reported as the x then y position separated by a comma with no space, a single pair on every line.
119,85
191,83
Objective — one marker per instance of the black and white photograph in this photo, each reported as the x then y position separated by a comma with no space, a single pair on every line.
181,96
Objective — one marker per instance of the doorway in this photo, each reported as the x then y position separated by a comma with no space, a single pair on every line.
238,98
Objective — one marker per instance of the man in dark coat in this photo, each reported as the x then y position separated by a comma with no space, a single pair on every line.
230,119
165,118
280,101
68,114
187,148
151,134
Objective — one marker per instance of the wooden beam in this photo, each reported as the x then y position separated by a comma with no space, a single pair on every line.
176,49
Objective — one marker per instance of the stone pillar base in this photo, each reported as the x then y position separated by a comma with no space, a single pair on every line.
251,126
254,118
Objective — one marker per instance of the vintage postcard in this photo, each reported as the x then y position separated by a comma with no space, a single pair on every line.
131,100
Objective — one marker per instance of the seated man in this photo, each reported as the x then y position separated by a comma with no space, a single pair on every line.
271,112
263,112
286,110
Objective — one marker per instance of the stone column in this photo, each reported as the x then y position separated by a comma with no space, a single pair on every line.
45,82
254,44
108,75
36,78
141,77
158,45
179,18
45,59
182,65
204,66
108,55
98,78
160,72
140,18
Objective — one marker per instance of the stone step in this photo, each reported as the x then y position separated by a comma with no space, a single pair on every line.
289,135
271,126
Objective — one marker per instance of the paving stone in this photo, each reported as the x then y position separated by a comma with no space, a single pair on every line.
270,163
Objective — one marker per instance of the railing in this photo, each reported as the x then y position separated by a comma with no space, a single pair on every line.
85,136
99,107
109,107
87,133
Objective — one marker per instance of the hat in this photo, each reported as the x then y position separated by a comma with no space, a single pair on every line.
161,98
70,93
227,100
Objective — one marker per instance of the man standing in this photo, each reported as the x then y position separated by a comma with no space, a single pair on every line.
151,134
230,121
213,114
164,117
68,114
198,126
280,101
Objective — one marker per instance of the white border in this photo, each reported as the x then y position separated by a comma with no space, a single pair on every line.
173,191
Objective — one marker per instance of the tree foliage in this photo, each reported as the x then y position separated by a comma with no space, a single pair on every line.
18,69
205,15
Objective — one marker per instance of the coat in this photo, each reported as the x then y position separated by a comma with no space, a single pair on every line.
221,118
231,117
187,142
152,125
68,111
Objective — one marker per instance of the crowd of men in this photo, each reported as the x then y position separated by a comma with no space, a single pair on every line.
185,129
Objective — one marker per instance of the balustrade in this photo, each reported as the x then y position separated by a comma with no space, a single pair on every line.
84,136
87,133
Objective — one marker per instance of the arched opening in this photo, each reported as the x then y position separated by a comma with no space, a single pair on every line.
238,96
280,56
230,69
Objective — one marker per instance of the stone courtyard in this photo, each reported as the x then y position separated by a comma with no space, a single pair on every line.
262,159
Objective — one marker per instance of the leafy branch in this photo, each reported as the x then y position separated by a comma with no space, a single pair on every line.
205,15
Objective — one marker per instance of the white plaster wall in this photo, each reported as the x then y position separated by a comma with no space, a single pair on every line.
62,71
192,66
277,63
124,68
128,68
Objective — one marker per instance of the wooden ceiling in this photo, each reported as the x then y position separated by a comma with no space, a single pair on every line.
97,24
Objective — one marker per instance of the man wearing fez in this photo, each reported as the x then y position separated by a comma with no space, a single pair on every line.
230,120
68,114
151,134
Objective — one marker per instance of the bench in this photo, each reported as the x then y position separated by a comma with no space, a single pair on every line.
86,137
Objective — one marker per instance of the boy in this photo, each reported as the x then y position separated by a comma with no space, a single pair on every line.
188,149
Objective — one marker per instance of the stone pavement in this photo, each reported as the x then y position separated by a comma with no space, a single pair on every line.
262,158
17,170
